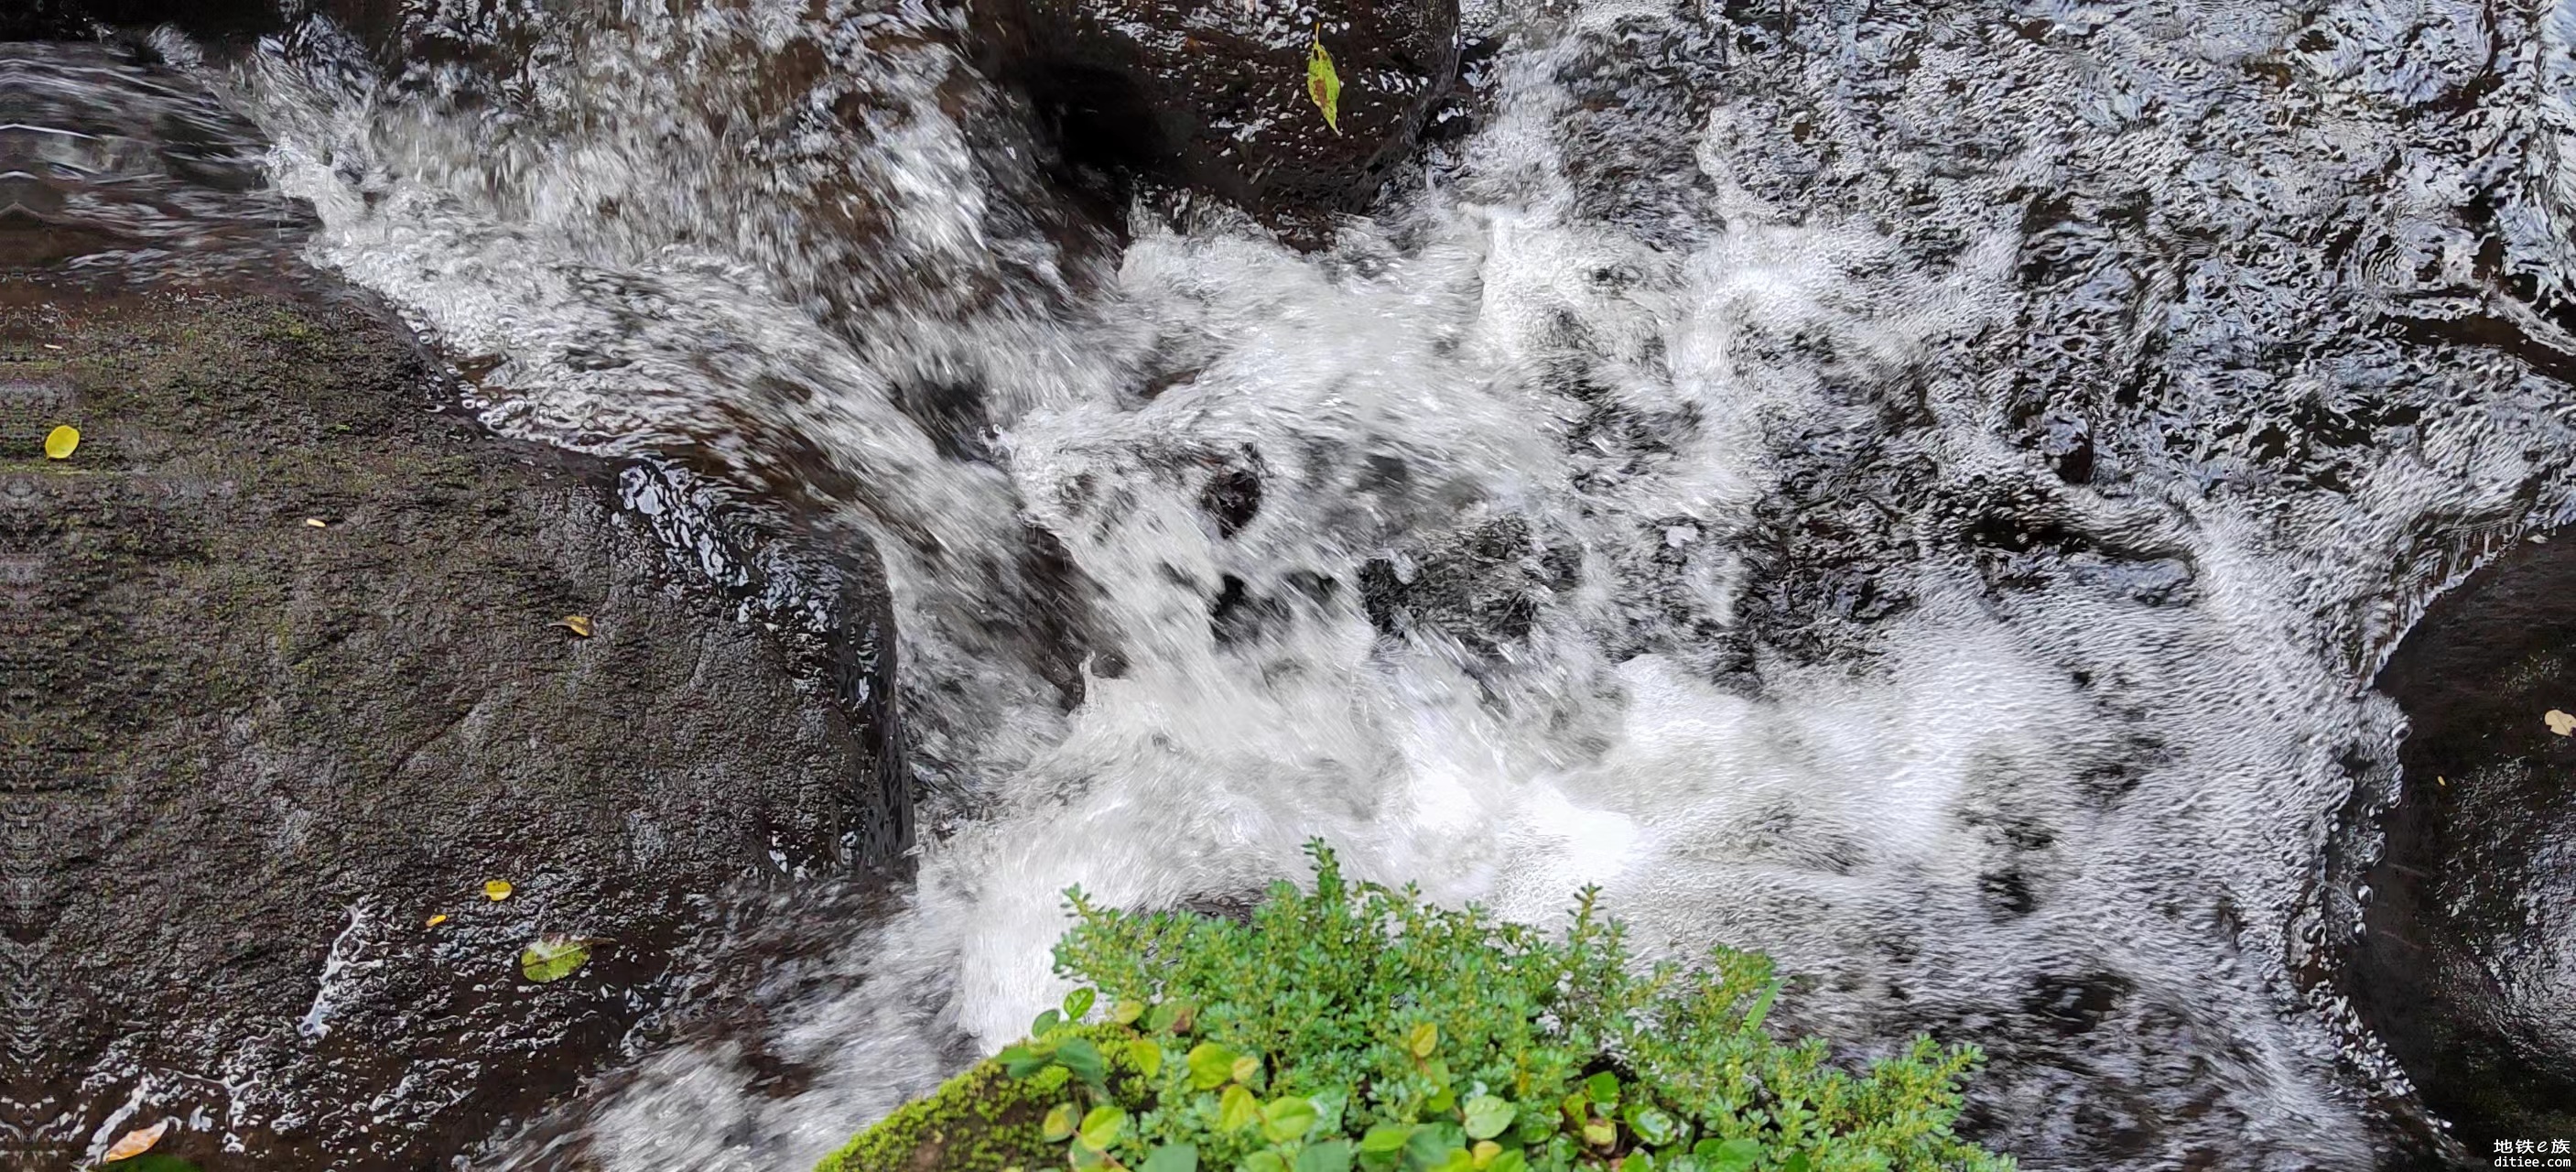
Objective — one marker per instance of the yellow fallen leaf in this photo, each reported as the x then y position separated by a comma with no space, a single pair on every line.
2560,722
136,1142
578,624
60,442
436,920
317,523
496,890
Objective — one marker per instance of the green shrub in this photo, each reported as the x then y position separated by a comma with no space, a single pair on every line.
1358,1029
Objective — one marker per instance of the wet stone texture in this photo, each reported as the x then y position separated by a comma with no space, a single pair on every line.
248,758
2467,966
1213,93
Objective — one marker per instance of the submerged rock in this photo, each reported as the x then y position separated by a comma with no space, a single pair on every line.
2467,966
1213,93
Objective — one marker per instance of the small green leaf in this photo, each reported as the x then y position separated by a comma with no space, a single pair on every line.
1161,1017
1083,1058
1762,1005
1578,1107
1059,1125
1423,1040
1652,1125
1125,1012
1603,1088
1211,1066
1019,1062
1386,1137
1244,1069
552,958
1601,1133
1728,1155
1455,1160
1101,1126
1487,1116
1323,85
1265,1161
1172,1158
1237,1109
1332,1155
150,1162
1431,1145
1328,1111
1796,1162
1510,1161
1045,1023
1287,1119
1079,1002
1146,1056
1637,1162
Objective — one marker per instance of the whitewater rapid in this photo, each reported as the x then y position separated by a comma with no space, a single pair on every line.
1688,433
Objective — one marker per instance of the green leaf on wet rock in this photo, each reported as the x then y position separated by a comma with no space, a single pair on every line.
553,957
1323,84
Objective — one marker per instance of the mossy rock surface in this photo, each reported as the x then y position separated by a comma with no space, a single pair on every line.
980,1121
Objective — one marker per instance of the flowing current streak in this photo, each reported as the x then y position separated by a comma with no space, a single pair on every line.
1441,371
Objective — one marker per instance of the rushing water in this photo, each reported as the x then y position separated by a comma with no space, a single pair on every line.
1918,489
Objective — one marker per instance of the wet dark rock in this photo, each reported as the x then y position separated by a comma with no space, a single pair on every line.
250,757
2068,445
1481,585
1238,617
2467,966
1212,93
953,416
30,20
1232,496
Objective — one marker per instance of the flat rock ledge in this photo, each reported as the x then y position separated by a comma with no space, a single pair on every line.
287,685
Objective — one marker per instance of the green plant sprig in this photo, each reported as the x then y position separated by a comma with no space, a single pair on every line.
1359,1027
